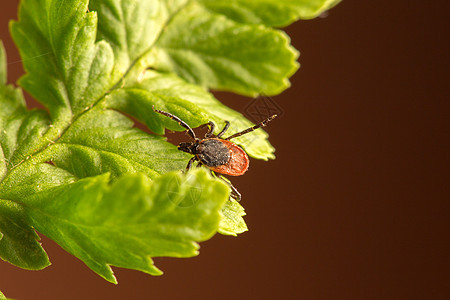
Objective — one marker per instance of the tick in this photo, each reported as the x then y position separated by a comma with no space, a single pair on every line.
216,153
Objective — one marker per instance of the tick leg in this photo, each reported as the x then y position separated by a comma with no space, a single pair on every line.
234,192
262,124
189,165
227,124
210,132
181,122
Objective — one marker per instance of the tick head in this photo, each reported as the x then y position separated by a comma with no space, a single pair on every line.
188,147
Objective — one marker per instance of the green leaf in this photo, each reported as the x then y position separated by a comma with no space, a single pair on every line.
132,220
22,131
103,140
66,69
207,49
130,27
19,132
232,222
80,173
32,177
191,103
269,12
2,297
3,63
138,100
97,140
19,243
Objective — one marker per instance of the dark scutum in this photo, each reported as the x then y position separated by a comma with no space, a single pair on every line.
213,153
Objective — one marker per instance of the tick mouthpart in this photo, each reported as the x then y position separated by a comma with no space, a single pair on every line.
187,147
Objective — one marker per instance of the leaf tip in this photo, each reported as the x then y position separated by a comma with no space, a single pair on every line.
3,69
109,275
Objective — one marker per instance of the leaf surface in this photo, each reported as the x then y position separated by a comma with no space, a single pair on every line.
19,243
207,49
132,220
269,12
232,223
67,70
191,103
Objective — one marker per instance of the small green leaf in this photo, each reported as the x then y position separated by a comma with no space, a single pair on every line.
256,144
2,297
132,220
3,70
269,12
22,131
191,103
66,69
138,100
19,244
130,27
207,49
232,222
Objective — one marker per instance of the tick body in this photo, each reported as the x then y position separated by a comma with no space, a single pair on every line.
217,154
222,156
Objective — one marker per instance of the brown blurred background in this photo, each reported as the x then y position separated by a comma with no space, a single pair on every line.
354,206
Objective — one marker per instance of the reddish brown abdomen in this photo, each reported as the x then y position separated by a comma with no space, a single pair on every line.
237,164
